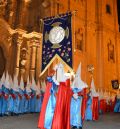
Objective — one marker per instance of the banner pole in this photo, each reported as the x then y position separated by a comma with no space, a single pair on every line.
74,38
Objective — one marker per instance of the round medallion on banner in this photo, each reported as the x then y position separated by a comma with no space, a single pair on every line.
56,35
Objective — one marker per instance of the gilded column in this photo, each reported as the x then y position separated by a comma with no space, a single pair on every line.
33,57
19,42
38,57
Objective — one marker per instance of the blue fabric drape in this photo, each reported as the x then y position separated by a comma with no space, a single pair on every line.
51,105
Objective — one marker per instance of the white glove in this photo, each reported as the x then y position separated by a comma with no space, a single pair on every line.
75,95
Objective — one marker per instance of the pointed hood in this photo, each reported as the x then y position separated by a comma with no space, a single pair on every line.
78,83
11,82
93,85
7,82
21,83
2,79
28,89
15,81
93,90
33,85
112,97
105,94
101,94
109,95
38,88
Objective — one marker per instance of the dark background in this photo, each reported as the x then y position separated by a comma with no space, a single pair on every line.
118,6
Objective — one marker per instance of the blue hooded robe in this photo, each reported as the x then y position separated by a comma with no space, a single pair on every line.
16,102
32,101
38,103
27,101
5,100
11,102
22,101
75,112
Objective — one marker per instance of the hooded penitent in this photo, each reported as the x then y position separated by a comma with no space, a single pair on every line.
7,82
78,83
2,80
77,101
94,106
93,90
21,84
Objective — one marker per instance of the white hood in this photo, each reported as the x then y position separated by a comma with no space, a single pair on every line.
33,85
101,95
78,83
2,79
21,83
11,82
38,88
28,85
15,81
7,83
105,95
93,90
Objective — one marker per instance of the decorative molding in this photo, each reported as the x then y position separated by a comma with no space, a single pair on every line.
33,35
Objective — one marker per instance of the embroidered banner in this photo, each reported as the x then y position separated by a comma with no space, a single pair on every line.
57,40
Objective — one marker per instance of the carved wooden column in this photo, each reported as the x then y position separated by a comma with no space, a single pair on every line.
19,42
38,56
34,54
18,46
34,42
33,57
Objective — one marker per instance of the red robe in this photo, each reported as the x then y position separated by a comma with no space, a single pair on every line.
103,105
61,119
95,109
84,102
112,105
44,105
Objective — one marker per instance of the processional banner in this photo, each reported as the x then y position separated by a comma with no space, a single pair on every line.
57,40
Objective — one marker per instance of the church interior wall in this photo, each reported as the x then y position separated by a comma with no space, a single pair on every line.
92,28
